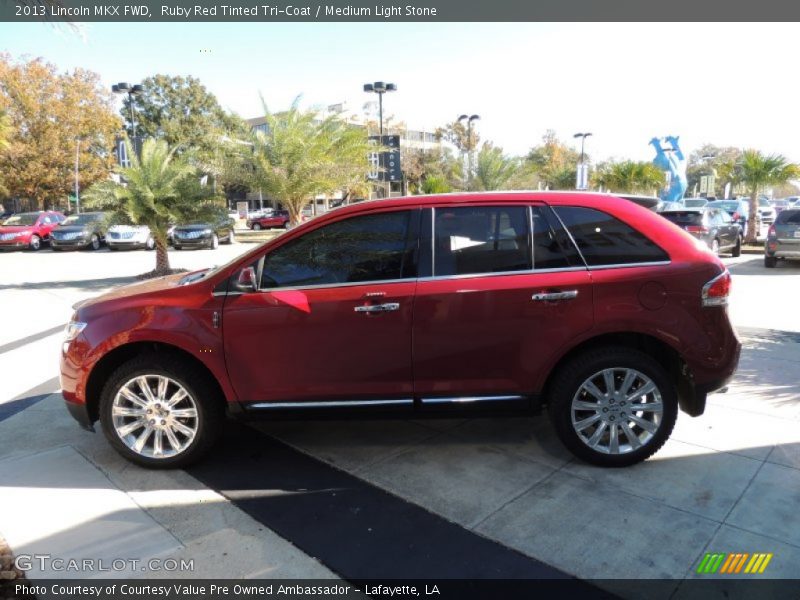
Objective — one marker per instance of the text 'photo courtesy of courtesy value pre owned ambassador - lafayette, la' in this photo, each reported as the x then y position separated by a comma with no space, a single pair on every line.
598,309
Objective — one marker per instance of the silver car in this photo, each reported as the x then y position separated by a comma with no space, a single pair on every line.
130,236
783,239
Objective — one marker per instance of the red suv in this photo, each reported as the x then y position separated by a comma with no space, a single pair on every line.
603,311
279,218
29,230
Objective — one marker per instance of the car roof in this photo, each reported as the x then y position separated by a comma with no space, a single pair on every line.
685,209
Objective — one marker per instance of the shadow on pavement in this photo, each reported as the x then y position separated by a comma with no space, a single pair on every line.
82,284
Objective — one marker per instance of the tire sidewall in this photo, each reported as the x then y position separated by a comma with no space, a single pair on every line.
36,243
206,425
568,380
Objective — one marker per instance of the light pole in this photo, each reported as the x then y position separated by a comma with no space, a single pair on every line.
77,163
380,88
581,177
469,120
132,91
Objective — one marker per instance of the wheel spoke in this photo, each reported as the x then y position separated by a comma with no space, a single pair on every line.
129,428
145,388
633,439
613,439
123,411
647,388
581,405
184,413
598,433
608,379
173,441
630,377
138,446
177,397
647,407
158,448
644,424
187,431
126,393
588,422
163,382
593,390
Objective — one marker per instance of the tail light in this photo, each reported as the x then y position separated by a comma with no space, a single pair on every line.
697,229
716,291
735,216
771,231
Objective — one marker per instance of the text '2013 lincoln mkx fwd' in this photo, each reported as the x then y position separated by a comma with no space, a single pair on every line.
602,311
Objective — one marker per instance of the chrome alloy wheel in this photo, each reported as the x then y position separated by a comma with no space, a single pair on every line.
617,411
155,416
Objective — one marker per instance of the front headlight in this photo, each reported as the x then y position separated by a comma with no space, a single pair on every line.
207,231
72,330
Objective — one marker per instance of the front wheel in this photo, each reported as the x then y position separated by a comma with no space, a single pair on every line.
160,412
256,226
36,243
214,244
231,237
737,249
613,406
94,242
715,246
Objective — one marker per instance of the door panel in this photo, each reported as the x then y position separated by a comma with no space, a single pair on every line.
313,345
486,335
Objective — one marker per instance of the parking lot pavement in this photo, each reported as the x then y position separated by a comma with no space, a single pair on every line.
726,482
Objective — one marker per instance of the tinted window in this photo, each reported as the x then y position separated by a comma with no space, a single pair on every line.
23,219
684,218
789,217
605,240
481,239
359,249
551,250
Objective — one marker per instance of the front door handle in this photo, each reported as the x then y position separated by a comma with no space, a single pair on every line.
553,296
377,308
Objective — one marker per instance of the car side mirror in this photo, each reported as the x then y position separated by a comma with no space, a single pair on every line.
246,280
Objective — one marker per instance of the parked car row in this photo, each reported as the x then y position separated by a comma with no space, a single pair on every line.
783,238
90,230
711,225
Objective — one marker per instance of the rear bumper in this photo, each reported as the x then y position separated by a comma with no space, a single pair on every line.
788,248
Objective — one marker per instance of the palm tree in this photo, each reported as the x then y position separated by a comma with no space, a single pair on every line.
160,189
493,169
630,177
301,156
756,171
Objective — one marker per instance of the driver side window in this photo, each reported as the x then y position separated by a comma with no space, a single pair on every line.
360,249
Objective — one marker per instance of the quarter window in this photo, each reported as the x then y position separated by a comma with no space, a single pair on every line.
605,240
360,249
481,239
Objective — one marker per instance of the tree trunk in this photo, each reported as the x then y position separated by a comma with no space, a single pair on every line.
752,232
162,258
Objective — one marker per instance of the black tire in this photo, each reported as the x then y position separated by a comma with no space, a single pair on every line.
177,247
35,243
214,243
568,382
737,249
256,226
94,242
715,246
199,385
231,237
286,225
770,262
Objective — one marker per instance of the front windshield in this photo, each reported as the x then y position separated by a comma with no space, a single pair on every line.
80,219
22,220
763,202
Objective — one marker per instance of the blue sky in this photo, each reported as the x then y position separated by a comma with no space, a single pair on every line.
728,84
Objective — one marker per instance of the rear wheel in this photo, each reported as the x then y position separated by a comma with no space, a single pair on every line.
160,412
715,246
613,406
737,249
35,243
770,262
256,226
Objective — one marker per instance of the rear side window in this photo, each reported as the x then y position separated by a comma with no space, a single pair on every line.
684,218
551,246
605,240
481,239
788,217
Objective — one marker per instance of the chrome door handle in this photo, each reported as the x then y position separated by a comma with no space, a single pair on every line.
551,296
375,308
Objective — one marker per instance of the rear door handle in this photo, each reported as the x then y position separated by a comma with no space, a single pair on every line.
552,296
377,308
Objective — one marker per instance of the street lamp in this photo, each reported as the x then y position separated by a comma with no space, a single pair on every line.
581,176
469,119
132,91
380,88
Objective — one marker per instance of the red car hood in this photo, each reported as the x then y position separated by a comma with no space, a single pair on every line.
132,290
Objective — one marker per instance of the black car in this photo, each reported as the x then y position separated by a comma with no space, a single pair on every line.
203,235
711,225
84,230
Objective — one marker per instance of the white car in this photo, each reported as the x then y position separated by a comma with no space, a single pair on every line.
766,211
130,236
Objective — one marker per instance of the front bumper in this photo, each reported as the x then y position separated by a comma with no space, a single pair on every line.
76,243
201,242
132,244
80,413
14,244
